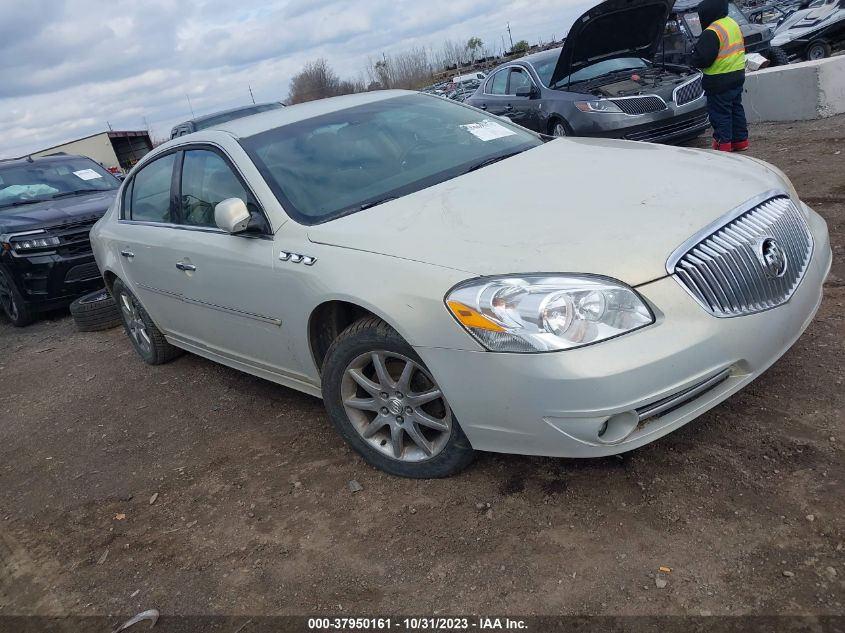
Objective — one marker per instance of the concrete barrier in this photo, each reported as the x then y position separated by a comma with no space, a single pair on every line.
797,92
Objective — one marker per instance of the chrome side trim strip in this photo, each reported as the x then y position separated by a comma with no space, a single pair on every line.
213,306
682,397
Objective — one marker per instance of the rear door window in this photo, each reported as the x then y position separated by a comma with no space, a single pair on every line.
207,179
498,85
151,191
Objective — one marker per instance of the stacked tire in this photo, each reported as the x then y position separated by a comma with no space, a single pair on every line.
96,311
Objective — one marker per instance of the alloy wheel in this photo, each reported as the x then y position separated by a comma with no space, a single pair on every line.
559,129
396,406
7,300
134,323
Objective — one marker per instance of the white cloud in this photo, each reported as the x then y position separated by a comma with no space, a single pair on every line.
72,66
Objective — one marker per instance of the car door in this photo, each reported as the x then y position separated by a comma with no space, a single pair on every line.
494,95
235,303
524,111
145,234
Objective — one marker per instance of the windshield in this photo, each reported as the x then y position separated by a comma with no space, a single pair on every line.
545,66
694,22
602,68
25,183
349,160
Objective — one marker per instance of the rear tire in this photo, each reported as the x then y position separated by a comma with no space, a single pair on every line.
819,49
394,414
96,311
12,304
777,56
145,337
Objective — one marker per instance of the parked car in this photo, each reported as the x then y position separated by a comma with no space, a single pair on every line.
684,27
475,76
47,207
405,258
813,33
210,120
600,85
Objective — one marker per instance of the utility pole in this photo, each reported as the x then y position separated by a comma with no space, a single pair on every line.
504,46
193,116
251,95
510,35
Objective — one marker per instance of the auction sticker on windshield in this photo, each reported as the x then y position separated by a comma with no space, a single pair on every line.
87,174
488,130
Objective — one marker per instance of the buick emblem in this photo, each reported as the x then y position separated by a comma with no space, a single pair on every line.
773,257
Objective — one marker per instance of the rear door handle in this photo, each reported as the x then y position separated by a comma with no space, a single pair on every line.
127,254
483,106
509,107
184,266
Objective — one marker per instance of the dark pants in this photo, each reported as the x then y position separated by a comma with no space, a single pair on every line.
727,116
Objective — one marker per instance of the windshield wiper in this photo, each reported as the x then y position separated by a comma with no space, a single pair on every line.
19,203
494,159
75,192
375,203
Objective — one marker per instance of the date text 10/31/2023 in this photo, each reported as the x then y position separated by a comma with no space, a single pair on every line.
417,624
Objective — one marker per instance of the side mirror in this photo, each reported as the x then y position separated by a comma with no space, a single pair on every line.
527,91
231,215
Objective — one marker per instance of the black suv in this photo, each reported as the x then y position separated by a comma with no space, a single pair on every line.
47,208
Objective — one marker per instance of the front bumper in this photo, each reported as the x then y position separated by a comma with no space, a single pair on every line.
556,404
675,123
53,281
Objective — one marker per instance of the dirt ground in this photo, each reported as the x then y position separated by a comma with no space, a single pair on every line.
254,515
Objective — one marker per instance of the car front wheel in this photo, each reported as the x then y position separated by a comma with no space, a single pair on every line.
12,303
387,405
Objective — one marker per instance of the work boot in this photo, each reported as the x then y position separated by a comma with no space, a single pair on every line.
722,147
740,146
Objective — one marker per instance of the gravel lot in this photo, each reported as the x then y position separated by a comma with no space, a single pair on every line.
253,514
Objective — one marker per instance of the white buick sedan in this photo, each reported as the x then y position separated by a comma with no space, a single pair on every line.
449,282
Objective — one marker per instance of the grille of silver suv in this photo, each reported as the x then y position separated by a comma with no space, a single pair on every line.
752,263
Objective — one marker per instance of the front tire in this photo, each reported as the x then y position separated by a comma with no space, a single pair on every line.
778,56
386,404
145,337
12,304
558,128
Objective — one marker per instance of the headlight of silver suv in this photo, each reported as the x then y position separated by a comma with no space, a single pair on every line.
542,313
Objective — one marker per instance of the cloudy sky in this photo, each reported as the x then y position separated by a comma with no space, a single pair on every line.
69,68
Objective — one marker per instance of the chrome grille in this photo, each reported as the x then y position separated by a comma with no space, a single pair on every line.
640,105
726,271
690,91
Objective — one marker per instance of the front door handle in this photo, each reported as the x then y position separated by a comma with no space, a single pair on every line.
184,266
509,107
483,106
127,254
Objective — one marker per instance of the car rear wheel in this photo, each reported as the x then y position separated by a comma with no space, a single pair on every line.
12,303
145,337
818,50
386,404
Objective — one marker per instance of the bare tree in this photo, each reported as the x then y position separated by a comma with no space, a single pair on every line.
316,80
473,45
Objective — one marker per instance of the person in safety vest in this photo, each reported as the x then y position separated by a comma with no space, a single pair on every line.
720,53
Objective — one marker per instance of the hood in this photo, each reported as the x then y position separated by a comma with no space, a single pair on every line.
51,213
573,205
711,10
615,28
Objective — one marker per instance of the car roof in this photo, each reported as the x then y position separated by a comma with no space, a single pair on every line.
533,58
263,121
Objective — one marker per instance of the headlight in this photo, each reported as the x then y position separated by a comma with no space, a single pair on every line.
538,313
30,243
601,105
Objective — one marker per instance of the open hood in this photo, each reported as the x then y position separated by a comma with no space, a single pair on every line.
615,28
